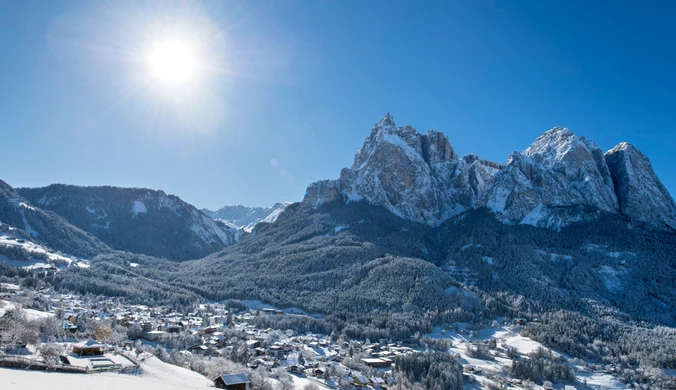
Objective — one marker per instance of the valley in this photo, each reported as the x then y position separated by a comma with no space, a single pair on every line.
554,268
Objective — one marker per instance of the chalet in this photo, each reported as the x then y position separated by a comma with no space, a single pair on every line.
199,349
377,362
88,347
154,335
275,351
173,328
253,343
232,382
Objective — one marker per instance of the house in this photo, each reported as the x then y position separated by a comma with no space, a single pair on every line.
147,326
275,351
237,381
89,347
361,380
199,349
173,328
377,362
154,335
69,326
253,343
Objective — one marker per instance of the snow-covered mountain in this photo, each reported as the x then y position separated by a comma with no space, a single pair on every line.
136,219
561,178
22,219
246,218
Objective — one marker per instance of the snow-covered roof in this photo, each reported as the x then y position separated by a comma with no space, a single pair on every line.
234,379
89,344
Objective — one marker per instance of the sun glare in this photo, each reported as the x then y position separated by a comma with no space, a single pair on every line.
173,62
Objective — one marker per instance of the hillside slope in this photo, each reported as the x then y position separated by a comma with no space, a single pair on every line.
44,226
137,220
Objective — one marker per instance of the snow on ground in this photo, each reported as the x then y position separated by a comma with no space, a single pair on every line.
534,217
256,304
523,344
23,263
300,381
506,336
89,361
35,314
156,376
30,313
138,207
5,306
611,279
598,380
28,246
481,334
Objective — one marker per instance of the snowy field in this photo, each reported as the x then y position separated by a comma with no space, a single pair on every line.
156,376
507,336
57,259
30,313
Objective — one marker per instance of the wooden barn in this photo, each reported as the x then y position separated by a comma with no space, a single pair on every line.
89,347
232,382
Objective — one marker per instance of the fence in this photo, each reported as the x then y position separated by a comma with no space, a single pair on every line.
30,364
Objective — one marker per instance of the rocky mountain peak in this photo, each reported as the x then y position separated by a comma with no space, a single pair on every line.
559,179
579,166
640,193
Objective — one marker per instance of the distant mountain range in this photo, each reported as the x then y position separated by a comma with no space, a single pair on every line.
246,218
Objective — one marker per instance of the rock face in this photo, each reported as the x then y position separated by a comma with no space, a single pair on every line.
415,176
561,178
136,219
640,193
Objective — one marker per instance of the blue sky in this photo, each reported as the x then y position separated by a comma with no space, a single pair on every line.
294,87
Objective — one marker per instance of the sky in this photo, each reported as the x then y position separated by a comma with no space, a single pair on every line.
285,92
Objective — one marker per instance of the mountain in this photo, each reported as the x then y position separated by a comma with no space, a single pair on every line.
413,226
44,226
246,218
560,179
137,220
575,242
639,192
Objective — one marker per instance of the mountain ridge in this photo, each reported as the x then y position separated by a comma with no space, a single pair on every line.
138,220
246,218
559,179
45,226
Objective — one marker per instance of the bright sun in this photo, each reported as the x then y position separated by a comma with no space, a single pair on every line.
173,62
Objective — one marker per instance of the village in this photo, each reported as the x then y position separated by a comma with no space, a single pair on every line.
210,331
222,342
